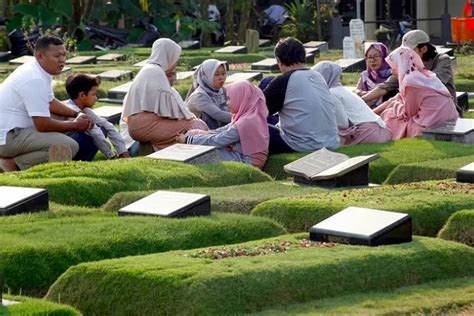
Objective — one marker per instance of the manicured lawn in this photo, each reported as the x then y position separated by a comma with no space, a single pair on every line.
460,227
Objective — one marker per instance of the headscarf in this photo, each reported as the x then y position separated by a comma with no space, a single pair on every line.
204,77
151,90
371,78
330,71
412,71
251,116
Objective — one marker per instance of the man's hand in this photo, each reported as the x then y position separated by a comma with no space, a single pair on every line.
83,123
83,116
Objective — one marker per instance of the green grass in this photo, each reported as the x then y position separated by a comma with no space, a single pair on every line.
460,227
34,253
232,199
93,183
179,283
428,170
36,307
429,204
392,154
433,298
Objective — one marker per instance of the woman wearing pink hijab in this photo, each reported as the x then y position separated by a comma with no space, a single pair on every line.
423,100
245,138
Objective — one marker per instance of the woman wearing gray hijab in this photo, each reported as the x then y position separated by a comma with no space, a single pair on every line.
209,101
153,110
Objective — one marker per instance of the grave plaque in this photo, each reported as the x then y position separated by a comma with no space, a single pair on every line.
240,76
141,63
329,169
182,75
5,56
363,226
193,154
352,64
107,100
17,200
459,131
348,48
317,44
119,92
110,113
268,64
190,44
232,50
252,41
357,31
111,57
466,174
82,60
264,42
21,60
463,100
170,204
116,75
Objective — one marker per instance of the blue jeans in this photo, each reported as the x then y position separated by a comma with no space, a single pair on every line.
277,144
87,149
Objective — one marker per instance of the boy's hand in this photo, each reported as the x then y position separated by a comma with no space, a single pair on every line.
181,138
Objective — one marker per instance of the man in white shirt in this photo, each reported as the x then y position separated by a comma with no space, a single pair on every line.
28,133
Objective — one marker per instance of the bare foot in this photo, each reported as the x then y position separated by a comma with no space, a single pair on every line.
8,164
60,152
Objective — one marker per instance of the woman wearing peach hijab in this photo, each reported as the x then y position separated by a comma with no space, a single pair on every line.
423,100
246,137
153,110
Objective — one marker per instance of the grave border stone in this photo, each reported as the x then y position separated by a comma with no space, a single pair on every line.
37,201
465,174
205,154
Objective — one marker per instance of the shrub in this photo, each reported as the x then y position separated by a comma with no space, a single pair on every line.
430,205
36,307
183,282
33,255
460,228
93,183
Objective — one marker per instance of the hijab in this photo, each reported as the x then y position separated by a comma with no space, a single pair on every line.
151,90
251,116
204,77
331,73
371,78
412,72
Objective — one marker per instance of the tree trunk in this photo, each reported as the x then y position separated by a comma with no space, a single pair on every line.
205,35
230,35
246,7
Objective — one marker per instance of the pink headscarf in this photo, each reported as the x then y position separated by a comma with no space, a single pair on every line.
251,116
412,71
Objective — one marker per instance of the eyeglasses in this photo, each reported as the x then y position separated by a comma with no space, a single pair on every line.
376,57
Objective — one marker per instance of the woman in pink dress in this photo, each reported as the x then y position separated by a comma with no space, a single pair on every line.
423,100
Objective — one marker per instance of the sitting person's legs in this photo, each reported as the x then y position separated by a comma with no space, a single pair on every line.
87,149
277,144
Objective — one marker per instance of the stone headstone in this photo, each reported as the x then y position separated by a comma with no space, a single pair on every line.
463,100
348,48
111,57
21,60
5,56
264,42
113,101
170,204
357,32
232,50
322,46
119,92
116,75
141,63
330,169
252,41
364,226
110,113
190,44
459,131
268,64
182,75
466,174
82,60
193,154
352,64
240,76
445,50
17,200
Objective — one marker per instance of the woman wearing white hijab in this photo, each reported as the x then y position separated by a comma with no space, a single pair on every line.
153,110
364,126
209,100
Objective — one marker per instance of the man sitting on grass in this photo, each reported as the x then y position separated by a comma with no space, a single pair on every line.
82,90
28,134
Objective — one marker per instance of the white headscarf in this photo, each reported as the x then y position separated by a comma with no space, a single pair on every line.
151,90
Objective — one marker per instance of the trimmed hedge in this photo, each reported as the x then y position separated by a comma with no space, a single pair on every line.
429,204
460,228
181,283
33,255
36,307
93,183
391,154
428,170
231,199
432,298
